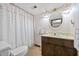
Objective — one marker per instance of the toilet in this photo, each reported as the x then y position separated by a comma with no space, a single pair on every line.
19,51
4,48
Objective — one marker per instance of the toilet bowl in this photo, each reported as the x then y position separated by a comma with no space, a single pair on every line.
19,51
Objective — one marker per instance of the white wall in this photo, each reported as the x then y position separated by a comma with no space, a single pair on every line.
75,15
17,26
42,24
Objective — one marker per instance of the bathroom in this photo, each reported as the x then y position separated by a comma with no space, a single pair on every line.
26,29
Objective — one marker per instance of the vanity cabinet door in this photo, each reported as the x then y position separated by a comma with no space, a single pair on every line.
44,47
69,51
45,51
50,50
58,50
69,43
55,41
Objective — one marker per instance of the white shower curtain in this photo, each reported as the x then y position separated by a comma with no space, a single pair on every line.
26,29
30,30
22,27
19,26
11,26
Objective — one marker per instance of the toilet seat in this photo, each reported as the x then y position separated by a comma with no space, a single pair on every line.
19,51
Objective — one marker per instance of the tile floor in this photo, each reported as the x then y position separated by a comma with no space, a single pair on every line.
34,51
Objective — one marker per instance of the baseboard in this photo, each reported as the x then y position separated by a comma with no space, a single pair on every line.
37,45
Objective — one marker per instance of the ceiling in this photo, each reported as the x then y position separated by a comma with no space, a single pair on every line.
41,7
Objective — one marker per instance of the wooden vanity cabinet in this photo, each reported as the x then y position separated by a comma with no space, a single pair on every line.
58,47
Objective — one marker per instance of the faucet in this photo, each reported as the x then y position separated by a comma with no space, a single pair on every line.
54,34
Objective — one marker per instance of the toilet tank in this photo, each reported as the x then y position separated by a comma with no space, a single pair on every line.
4,48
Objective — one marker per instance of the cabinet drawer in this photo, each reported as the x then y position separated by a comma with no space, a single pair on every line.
55,41
69,43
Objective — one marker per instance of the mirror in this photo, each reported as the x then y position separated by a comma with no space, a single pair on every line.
55,20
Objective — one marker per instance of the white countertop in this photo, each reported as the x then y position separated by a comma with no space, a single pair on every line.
59,36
